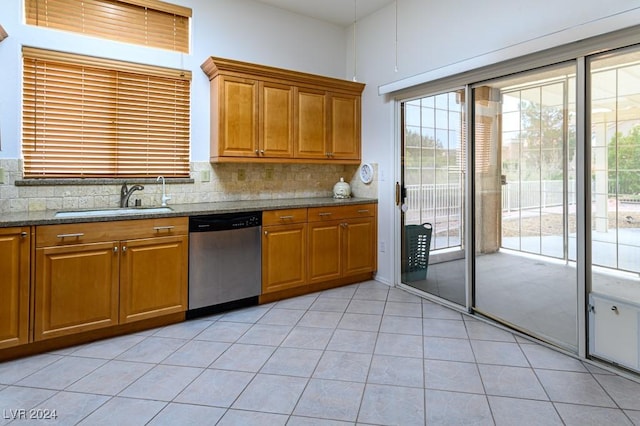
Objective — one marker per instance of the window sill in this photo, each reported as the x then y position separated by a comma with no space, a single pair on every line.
96,181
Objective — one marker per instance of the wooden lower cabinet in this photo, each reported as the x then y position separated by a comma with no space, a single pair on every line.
325,251
359,246
284,249
334,245
341,248
153,277
76,289
14,286
90,276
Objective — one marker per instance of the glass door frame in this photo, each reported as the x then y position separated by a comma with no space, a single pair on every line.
579,51
467,214
582,201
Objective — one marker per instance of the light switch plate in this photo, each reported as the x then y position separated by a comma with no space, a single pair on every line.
1,175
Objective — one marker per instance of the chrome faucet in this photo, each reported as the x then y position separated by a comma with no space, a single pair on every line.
165,197
125,193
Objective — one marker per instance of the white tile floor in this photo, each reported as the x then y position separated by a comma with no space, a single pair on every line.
362,354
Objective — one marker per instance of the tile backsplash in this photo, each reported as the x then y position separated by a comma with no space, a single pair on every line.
210,183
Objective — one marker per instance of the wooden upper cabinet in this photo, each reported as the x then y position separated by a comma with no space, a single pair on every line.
276,120
344,136
267,114
234,124
311,123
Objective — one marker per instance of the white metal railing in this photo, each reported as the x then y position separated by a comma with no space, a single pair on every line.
435,200
536,194
445,200
440,205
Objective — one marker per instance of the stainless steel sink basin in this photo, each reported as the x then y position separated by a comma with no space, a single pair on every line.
113,211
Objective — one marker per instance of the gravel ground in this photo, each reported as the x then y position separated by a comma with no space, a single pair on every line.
550,223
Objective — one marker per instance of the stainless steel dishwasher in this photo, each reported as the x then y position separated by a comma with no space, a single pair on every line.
224,262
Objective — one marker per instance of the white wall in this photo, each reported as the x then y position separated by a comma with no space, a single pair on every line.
450,36
236,29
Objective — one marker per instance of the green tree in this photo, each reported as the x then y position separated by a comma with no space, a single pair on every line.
543,141
623,153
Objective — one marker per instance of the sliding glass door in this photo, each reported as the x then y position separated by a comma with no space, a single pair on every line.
524,184
615,206
432,218
534,221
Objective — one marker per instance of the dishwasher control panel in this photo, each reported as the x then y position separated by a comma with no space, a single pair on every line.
224,221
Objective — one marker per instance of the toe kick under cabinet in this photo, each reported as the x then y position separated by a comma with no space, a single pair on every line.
96,275
306,250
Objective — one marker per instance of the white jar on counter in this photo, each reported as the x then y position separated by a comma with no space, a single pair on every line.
342,189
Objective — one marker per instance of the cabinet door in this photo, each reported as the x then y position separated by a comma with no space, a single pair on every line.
325,251
237,130
153,277
311,123
14,286
344,136
359,246
276,120
76,289
284,249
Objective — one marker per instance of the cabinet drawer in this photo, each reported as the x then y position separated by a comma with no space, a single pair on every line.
81,233
284,217
319,214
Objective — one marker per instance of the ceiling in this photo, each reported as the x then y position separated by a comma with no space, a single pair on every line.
339,12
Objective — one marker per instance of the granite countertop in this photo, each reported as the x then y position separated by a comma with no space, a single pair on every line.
47,217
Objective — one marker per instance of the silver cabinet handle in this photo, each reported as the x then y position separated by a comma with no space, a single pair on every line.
23,234
266,232
262,152
325,214
363,211
115,249
78,235
257,152
286,217
163,228
124,249
614,309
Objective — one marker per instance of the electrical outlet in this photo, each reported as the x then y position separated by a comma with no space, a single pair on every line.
383,246
1,175
242,175
268,173
206,176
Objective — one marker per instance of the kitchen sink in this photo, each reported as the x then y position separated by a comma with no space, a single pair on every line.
112,211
